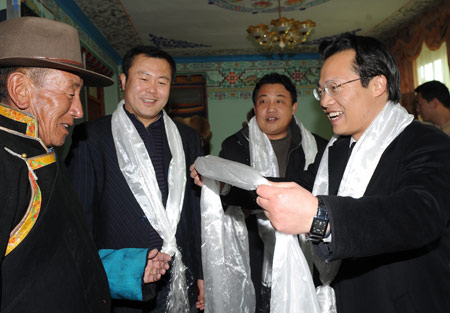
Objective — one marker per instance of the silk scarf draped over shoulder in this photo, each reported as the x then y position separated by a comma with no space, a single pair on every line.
283,258
228,285
137,168
366,154
263,158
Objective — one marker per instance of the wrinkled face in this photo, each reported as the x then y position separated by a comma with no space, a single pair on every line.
353,109
147,87
274,110
424,108
55,102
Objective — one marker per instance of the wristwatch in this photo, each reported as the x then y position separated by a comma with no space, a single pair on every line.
320,223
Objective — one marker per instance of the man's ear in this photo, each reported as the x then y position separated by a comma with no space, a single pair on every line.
123,81
379,85
434,103
294,108
18,85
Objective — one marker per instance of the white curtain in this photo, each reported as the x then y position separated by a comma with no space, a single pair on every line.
432,65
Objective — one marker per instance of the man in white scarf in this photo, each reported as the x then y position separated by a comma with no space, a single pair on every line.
130,171
385,213
277,145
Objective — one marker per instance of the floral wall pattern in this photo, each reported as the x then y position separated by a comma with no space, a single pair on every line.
236,79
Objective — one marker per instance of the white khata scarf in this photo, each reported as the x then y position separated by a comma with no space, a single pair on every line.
283,258
228,285
225,251
366,154
137,168
263,158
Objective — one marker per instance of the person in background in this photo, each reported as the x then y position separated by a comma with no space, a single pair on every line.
48,259
130,169
381,207
201,124
433,104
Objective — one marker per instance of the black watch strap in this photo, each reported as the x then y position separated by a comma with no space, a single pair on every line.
320,223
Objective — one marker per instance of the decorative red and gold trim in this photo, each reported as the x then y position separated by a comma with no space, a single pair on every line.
22,117
19,233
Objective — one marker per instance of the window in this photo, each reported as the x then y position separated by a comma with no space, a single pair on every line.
432,65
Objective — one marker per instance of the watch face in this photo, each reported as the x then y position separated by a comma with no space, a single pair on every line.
319,227
320,223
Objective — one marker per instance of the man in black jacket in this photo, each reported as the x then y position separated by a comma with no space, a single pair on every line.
381,207
294,148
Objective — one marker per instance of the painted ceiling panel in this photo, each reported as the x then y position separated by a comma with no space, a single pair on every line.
218,27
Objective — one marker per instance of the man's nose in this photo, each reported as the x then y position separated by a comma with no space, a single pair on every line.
77,108
271,106
151,87
326,100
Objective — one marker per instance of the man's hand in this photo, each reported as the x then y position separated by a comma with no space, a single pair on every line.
157,265
196,176
201,295
289,207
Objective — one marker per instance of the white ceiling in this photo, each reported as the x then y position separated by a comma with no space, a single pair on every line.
218,27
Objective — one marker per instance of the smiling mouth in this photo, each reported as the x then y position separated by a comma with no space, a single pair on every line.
149,100
334,115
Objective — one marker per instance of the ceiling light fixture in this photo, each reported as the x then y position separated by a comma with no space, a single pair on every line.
282,34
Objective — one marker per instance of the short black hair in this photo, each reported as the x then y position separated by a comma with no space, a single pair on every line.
275,78
372,59
434,89
148,51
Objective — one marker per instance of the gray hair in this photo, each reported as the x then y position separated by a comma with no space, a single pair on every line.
36,74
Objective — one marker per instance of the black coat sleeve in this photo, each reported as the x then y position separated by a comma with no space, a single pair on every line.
405,206
80,168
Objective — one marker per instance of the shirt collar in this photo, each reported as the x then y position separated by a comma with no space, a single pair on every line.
135,120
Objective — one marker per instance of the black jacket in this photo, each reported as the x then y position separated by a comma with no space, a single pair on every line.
56,268
394,242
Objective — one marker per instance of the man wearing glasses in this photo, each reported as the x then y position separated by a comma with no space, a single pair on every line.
383,205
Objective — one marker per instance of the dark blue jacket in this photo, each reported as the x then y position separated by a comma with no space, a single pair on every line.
116,219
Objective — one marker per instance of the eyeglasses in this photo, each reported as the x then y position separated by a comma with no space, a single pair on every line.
332,89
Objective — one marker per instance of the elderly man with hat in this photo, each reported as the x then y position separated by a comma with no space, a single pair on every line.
49,262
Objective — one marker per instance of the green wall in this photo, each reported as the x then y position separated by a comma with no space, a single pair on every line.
112,95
